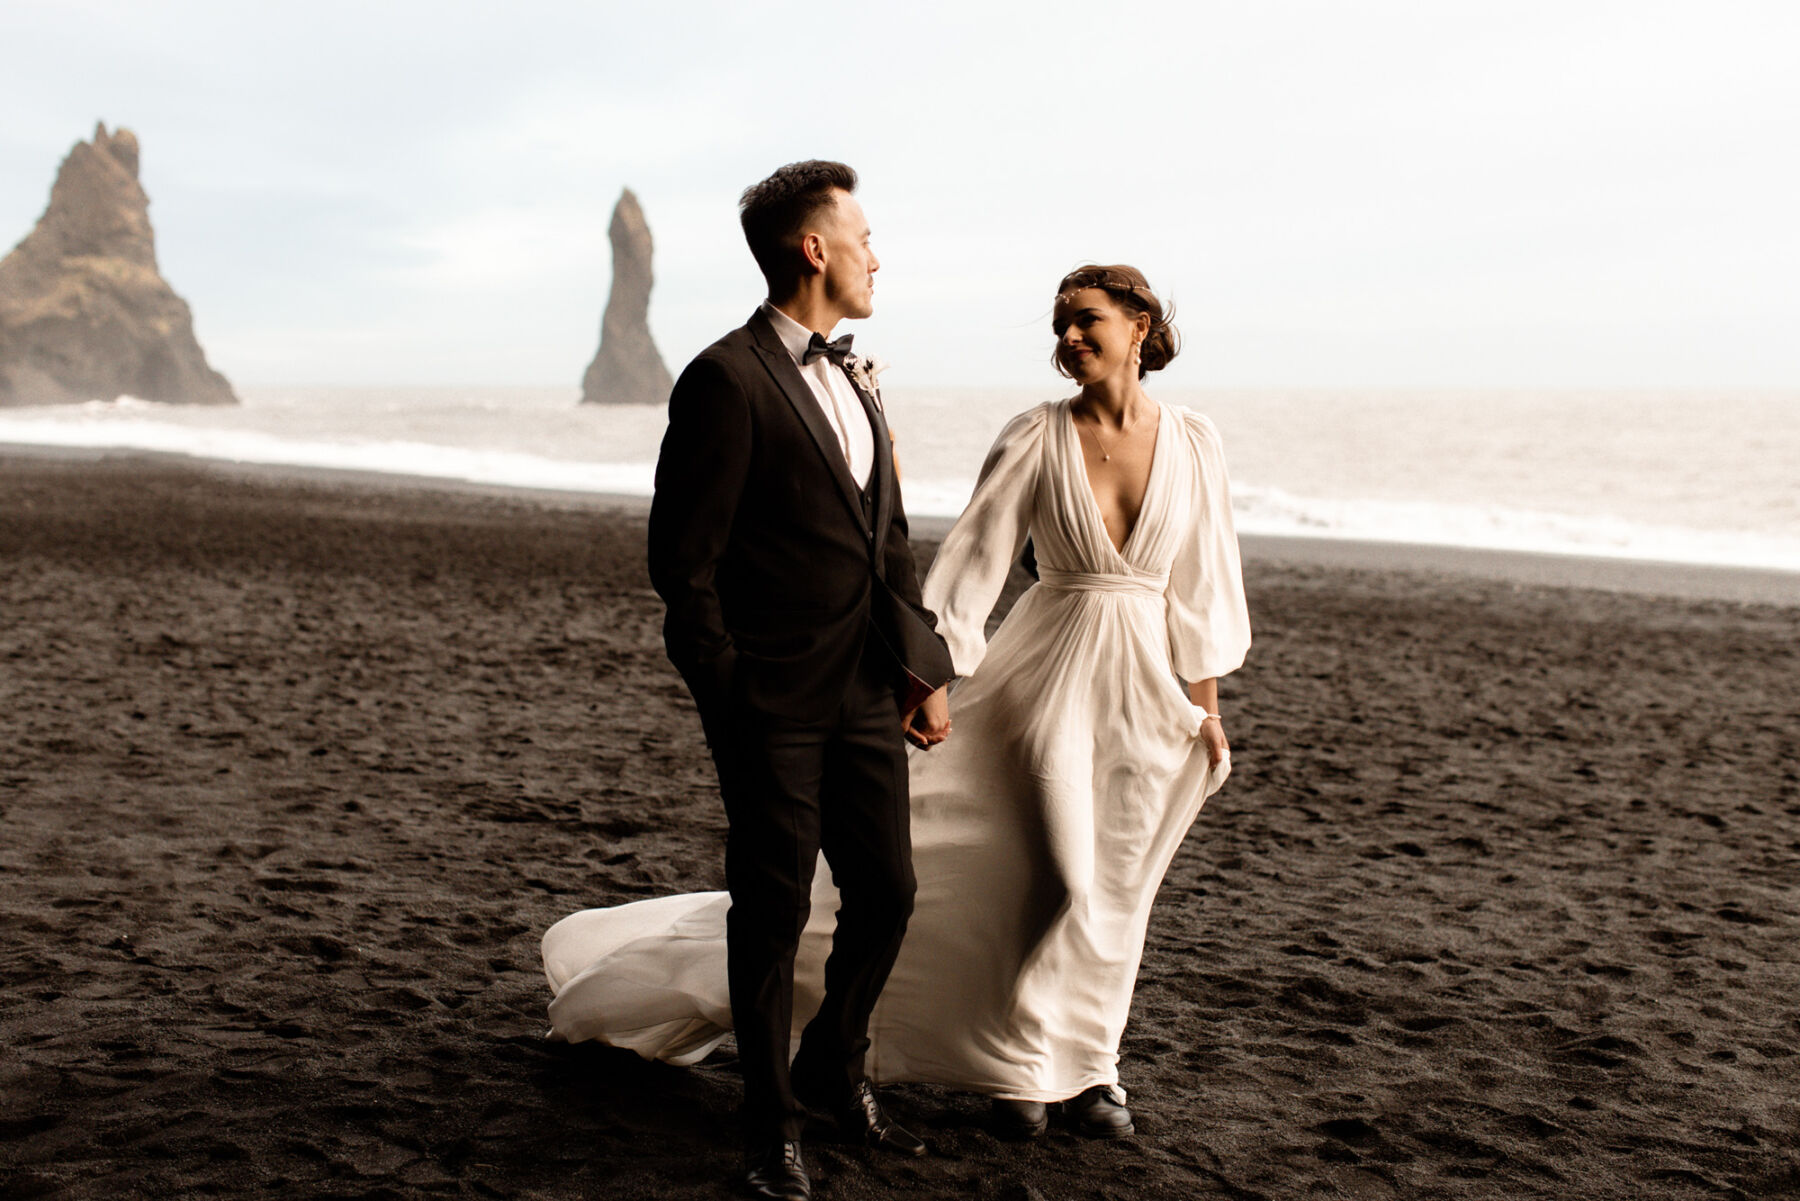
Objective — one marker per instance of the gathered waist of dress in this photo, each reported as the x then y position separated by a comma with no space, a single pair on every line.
1146,584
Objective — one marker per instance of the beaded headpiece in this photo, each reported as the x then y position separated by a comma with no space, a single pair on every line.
1098,277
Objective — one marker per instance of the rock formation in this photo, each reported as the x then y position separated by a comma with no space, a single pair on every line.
84,315
627,369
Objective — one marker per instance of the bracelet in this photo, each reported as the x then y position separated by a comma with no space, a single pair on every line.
1213,716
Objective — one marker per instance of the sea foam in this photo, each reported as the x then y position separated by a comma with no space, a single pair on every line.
538,439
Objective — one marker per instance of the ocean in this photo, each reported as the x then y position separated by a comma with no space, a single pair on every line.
1691,477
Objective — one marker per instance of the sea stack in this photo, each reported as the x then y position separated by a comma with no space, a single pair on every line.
627,369
84,314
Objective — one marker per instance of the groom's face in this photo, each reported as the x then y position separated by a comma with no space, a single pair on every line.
850,263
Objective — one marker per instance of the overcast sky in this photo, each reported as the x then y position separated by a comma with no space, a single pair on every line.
1362,194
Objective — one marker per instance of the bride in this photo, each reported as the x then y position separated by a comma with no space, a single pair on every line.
1042,829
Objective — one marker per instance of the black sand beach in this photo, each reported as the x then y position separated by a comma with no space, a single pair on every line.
1501,901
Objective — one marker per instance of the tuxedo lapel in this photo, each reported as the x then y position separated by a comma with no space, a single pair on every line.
800,396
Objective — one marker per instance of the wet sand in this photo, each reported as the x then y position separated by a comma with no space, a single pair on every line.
1502,900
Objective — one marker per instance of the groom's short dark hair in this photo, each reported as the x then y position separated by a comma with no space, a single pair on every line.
774,211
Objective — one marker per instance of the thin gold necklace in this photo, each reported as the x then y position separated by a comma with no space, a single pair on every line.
1105,451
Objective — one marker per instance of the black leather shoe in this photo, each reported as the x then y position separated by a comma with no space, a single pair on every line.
1020,1119
776,1171
1097,1115
863,1119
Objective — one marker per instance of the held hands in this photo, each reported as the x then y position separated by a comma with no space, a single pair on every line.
929,724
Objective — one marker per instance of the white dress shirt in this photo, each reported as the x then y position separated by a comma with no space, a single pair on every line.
837,398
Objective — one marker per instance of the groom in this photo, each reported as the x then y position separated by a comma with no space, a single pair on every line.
778,543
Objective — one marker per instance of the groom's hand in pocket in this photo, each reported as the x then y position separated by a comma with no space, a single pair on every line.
929,724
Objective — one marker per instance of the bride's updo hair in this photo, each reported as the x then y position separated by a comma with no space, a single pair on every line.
1131,292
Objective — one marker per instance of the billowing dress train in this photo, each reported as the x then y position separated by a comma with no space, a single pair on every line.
1041,829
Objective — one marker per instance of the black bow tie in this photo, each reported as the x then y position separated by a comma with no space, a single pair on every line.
837,351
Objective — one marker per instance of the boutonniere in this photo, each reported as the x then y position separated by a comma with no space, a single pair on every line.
867,374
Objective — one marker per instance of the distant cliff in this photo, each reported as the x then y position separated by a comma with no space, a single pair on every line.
627,369
84,314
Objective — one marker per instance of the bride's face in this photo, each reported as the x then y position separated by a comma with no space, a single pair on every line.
1095,334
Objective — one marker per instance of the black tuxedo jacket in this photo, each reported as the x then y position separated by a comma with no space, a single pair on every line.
761,544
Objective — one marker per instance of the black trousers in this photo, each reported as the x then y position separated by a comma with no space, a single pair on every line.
791,790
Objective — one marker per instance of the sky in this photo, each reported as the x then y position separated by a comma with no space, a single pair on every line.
1379,194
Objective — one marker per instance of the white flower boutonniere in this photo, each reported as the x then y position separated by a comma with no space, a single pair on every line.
867,374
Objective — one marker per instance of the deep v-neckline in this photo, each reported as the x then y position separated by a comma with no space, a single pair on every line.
1087,484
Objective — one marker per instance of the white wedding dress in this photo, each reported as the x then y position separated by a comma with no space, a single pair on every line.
1041,829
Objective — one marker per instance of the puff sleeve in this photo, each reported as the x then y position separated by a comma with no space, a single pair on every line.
1209,623
971,567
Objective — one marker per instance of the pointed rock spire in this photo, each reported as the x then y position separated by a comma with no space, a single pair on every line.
627,369
84,314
